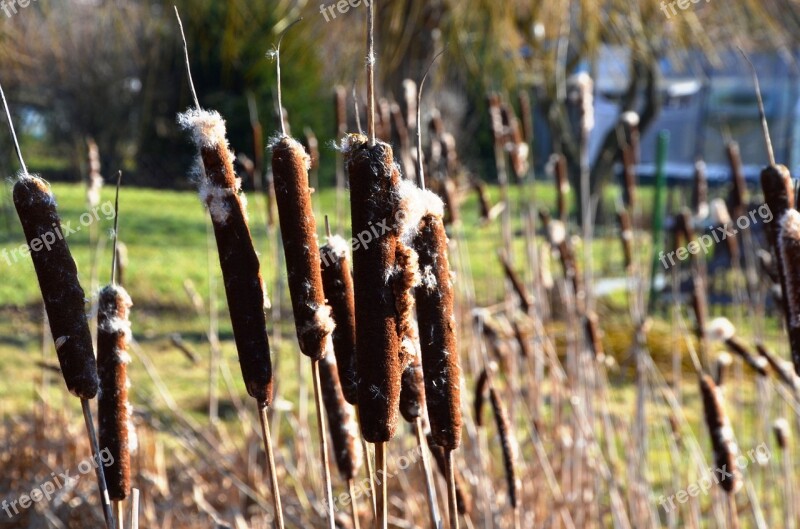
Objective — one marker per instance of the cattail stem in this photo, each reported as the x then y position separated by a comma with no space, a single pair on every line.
351,490
452,502
382,519
430,489
119,513
323,445
101,478
273,474
371,72
733,511
370,466
134,509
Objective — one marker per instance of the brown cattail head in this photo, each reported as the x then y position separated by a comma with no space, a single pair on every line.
699,305
509,445
244,288
594,335
782,432
722,443
311,146
516,283
776,182
683,229
738,197
374,181
484,201
626,236
412,391
409,102
58,281
341,420
723,368
437,326
481,391
340,107
784,373
114,412
559,162
522,340
463,497
700,190
788,256
312,316
338,286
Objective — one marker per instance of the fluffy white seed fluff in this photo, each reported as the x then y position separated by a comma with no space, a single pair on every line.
337,247
294,144
557,232
630,118
719,212
206,126
322,323
415,203
724,359
721,329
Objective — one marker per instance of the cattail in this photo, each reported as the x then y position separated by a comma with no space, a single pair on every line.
452,214
675,428
187,351
559,162
699,305
526,113
738,196
629,176
594,335
481,390
463,497
781,430
723,330
312,316
683,229
440,354
516,283
789,256
626,236
509,445
311,146
786,375
374,183
521,338
723,368
115,432
220,190
700,190
722,443
409,103
340,107
776,182
412,391
484,201
338,287
630,127
95,180
58,281
341,420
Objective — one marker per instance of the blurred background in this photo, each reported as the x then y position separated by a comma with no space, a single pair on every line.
111,72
